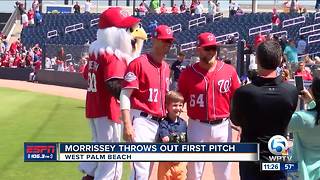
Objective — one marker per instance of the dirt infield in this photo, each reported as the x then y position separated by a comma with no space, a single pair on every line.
81,94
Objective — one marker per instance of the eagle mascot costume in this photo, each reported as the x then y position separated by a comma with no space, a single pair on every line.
120,39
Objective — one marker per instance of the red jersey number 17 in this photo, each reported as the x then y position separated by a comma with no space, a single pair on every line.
153,95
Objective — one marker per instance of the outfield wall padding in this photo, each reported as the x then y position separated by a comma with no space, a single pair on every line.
15,73
67,79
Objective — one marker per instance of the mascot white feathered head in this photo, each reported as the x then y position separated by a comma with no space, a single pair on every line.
119,34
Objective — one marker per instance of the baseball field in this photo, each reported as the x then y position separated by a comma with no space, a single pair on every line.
44,113
35,117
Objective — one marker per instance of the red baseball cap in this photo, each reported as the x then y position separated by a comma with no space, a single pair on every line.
259,39
206,39
116,17
163,32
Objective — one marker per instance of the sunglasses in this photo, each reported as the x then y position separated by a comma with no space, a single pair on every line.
210,48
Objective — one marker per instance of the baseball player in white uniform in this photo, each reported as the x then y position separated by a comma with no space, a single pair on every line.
145,85
207,87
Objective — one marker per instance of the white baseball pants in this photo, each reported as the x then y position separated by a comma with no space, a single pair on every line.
103,130
202,132
146,130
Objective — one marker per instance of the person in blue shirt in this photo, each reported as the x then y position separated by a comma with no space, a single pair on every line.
152,26
306,134
176,69
38,18
173,129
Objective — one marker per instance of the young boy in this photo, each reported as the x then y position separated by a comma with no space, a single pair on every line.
173,129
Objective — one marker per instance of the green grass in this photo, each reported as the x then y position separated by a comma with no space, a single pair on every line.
34,117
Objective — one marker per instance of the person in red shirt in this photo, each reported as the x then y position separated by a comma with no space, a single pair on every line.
37,66
28,60
301,71
71,67
23,60
11,61
31,16
193,6
17,61
275,17
175,9
14,47
142,9
163,9
143,92
208,102
60,65
5,60
259,39
83,63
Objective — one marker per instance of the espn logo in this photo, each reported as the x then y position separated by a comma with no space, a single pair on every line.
40,149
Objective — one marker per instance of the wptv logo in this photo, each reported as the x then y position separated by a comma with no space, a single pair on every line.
278,145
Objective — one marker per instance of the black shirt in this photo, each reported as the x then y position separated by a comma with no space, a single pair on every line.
176,68
76,8
263,109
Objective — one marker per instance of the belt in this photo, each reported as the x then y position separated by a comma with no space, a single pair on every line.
214,122
146,115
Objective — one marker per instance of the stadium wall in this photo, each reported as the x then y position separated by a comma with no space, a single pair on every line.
67,79
21,74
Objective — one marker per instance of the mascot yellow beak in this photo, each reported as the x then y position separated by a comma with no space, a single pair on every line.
137,32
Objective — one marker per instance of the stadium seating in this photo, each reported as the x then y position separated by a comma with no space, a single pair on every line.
4,17
38,34
240,24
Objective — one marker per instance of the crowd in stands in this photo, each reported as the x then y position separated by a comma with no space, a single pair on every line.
235,9
294,51
18,56
60,63
33,16
87,7
296,60
195,7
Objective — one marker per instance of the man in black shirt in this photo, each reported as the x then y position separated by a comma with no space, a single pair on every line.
76,8
263,109
176,69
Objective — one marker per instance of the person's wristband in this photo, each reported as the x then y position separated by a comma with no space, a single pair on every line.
311,104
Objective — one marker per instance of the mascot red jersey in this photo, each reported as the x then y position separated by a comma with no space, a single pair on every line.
119,40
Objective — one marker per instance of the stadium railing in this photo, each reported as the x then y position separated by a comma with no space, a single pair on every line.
316,15
176,27
309,29
74,27
314,38
218,16
52,33
94,22
188,46
225,37
278,33
260,29
10,23
198,21
293,21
